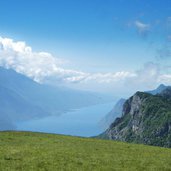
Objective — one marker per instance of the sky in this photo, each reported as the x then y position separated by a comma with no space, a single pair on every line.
111,46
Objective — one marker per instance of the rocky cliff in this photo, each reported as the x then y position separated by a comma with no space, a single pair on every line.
145,119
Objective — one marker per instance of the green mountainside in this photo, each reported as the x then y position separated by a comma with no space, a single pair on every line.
26,151
145,119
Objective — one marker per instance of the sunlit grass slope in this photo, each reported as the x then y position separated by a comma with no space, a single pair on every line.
37,151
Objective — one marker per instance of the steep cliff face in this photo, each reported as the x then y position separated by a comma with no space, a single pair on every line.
145,119
118,107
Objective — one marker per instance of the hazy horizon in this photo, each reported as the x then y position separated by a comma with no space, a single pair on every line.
115,47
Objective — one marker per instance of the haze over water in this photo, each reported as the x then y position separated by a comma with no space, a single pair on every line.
80,122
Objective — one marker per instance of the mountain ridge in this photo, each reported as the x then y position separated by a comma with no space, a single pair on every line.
145,119
21,98
117,109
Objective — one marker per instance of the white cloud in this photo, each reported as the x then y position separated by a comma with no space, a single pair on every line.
20,57
44,67
142,28
149,77
165,78
110,77
146,77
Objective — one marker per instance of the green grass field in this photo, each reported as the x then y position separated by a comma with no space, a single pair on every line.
47,152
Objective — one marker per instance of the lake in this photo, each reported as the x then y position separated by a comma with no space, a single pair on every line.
80,122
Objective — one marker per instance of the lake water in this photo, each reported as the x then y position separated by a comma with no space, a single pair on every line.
80,122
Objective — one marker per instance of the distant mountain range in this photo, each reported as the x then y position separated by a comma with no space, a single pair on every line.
158,90
110,117
145,118
22,98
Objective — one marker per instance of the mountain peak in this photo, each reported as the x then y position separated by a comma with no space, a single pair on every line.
158,90
161,86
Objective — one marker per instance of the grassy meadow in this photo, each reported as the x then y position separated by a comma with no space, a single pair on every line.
29,151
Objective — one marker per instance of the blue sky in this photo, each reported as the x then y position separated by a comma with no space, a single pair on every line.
95,36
